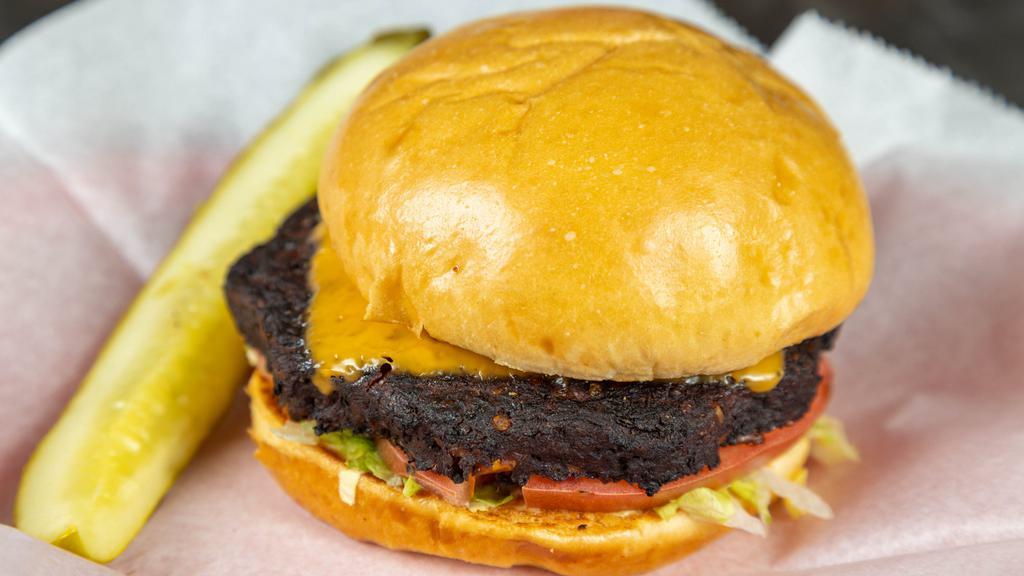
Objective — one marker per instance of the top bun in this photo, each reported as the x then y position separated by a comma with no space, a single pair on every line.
599,194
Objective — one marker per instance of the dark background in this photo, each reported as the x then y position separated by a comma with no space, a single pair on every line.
982,40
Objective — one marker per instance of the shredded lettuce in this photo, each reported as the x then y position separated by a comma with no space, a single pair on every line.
800,477
714,506
754,494
720,507
300,432
490,496
359,453
411,487
829,444
728,506
798,496
348,482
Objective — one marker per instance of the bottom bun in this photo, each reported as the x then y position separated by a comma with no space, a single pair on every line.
560,541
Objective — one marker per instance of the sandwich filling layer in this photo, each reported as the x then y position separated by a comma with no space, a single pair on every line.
474,415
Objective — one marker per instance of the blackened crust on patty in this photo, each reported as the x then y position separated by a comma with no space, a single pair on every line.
267,293
647,434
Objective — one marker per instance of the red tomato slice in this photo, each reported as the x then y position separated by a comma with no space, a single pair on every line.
397,461
441,485
590,495
393,456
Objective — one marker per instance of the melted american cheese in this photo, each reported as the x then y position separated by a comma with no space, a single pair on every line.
763,376
342,343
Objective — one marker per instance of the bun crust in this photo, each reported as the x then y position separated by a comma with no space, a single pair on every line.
597,193
507,536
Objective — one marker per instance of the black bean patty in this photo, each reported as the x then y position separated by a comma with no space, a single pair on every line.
647,434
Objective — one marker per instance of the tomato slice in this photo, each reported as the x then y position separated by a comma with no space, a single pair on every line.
439,484
393,456
591,495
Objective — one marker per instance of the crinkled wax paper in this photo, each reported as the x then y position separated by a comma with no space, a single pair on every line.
116,118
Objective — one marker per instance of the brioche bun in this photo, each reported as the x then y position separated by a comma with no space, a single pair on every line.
607,543
597,193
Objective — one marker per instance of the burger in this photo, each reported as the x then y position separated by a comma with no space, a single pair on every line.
563,298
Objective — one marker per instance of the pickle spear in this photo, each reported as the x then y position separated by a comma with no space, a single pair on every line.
172,365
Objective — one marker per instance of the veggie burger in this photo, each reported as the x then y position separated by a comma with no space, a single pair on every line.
563,299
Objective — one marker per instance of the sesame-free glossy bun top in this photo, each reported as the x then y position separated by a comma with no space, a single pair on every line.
597,193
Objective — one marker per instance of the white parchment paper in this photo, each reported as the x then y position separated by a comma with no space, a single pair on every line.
117,117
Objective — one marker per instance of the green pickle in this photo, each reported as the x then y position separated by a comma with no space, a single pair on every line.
173,364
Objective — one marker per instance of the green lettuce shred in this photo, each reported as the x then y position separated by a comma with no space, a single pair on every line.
714,506
300,432
359,453
726,506
411,487
829,444
791,507
490,496
754,494
795,494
